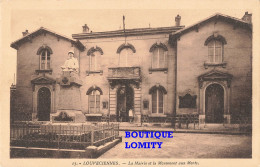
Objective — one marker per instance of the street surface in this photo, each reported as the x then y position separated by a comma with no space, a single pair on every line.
186,145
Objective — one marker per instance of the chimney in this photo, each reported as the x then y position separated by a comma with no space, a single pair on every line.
178,20
85,28
247,18
25,33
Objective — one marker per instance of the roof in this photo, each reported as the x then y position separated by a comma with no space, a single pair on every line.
215,17
127,32
41,30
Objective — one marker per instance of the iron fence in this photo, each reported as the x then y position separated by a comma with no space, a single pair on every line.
62,136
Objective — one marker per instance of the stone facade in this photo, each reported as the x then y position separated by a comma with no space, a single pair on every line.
233,72
120,71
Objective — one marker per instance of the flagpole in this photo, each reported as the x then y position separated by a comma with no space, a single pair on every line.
124,27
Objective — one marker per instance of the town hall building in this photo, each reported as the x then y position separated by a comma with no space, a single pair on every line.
204,69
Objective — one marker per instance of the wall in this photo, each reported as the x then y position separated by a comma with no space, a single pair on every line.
28,62
237,54
141,58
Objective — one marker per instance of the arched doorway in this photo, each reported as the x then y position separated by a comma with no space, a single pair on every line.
44,104
125,102
214,104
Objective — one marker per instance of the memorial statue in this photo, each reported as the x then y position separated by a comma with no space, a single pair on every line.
71,64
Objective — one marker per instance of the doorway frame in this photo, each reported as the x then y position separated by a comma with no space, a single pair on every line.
35,100
133,96
226,89
214,77
224,100
39,100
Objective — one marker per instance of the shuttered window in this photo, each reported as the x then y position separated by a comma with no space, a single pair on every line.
215,50
94,60
159,58
94,101
45,59
157,101
126,57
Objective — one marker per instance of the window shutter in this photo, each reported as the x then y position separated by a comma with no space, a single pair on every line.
154,102
97,103
160,94
91,103
161,58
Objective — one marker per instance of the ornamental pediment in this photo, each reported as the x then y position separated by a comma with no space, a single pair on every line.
43,80
215,76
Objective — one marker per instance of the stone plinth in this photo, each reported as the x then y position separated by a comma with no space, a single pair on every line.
69,104
68,116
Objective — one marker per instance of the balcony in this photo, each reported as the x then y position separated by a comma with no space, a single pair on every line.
124,73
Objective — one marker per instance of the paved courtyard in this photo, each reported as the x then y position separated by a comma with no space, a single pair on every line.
187,145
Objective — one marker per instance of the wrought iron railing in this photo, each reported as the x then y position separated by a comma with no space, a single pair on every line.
62,136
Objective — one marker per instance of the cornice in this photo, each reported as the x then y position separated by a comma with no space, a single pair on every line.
127,32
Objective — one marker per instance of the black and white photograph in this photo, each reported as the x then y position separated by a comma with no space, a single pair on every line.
129,86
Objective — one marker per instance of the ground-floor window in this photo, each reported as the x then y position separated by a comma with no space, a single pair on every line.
157,92
157,101
94,101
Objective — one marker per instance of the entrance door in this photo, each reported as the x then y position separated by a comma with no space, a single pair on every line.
44,104
214,104
125,102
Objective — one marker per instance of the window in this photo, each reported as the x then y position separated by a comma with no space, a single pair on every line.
157,93
94,54
157,101
215,44
44,53
215,51
125,57
94,59
45,59
94,101
159,58
126,52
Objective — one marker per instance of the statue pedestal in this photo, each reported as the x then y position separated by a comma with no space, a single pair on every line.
69,106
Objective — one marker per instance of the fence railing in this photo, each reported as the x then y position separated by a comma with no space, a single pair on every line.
62,136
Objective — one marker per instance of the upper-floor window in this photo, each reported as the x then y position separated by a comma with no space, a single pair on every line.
215,44
94,60
94,54
44,53
215,51
159,56
126,52
125,57
45,60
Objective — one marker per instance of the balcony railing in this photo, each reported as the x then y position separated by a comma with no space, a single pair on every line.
124,73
